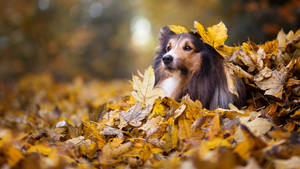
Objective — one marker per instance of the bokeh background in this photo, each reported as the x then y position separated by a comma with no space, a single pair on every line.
108,39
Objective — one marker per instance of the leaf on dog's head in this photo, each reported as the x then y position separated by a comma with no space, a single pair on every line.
218,34
144,91
215,35
178,29
202,32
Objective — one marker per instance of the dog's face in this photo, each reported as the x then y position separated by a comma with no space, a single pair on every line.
180,52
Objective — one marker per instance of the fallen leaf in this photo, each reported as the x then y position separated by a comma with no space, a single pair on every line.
144,90
136,114
110,131
271,81
152,125
258,126
292,163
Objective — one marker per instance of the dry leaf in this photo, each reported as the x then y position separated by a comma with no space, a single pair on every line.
292,163
258,126
151,126
271,81
144,90
110,131
214,36
178,29
136,114
231,80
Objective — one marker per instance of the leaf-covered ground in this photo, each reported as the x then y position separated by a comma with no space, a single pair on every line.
94,124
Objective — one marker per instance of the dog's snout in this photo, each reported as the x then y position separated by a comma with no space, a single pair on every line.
167,59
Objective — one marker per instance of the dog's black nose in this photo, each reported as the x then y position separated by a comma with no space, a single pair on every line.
167,59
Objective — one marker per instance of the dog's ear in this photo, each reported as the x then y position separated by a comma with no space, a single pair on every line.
165,34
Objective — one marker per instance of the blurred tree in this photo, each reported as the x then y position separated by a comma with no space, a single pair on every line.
259,20
65,37
111,38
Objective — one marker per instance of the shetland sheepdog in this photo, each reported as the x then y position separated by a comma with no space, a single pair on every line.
186,65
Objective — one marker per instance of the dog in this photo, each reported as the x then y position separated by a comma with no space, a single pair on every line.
186,65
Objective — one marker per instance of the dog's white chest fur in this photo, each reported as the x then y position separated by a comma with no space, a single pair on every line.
170,84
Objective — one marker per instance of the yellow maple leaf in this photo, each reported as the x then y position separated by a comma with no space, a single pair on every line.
178,29
218,34
215,35
144,91
202,32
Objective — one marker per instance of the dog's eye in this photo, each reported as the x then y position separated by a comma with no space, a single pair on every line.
168,48
187,48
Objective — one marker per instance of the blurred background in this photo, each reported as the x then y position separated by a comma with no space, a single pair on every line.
108,39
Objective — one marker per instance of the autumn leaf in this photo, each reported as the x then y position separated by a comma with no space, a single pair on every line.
43,149
293,162
144,90
171,138
215,127
178,29
249,145
231,80
136,115
258,126
217,34
271,81
14,155
202,32
152,125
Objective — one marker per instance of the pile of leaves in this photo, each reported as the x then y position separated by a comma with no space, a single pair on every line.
45,124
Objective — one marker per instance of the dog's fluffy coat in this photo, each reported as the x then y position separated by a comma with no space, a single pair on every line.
200,74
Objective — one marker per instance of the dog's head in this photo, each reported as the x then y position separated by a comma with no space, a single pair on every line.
180,52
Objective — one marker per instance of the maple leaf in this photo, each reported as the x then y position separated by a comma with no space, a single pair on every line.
178,29
284,39
152,125
144,90
136,114
258,126
271,81
215,35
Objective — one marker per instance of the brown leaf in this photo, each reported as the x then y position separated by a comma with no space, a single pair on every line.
291,163
270,81
136,114
152,125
